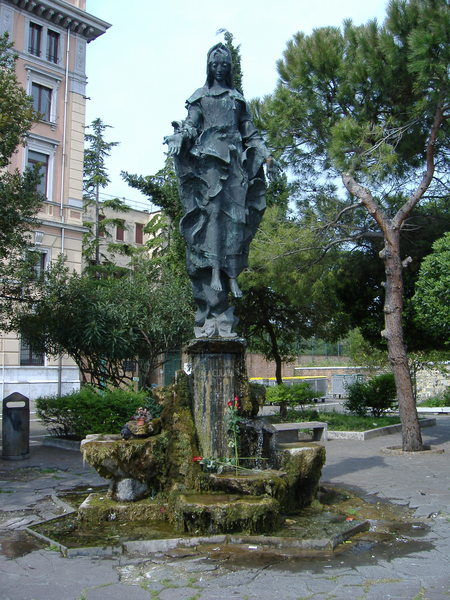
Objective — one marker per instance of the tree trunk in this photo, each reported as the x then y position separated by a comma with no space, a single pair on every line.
393,304
97,228
393,332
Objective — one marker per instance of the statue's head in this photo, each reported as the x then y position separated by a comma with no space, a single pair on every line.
219,52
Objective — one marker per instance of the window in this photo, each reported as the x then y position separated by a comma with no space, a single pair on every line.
42,100
34,39
27,355
52,45
139,234
41,159
120,234
43,88
39,261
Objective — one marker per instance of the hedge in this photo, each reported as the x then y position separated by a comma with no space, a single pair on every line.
92,411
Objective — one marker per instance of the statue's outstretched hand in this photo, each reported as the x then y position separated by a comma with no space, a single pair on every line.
174,142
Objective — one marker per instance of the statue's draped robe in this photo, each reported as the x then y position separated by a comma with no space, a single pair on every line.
222,190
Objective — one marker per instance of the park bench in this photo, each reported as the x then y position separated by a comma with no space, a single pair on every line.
290,432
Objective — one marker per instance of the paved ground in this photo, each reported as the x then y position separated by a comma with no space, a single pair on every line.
414,566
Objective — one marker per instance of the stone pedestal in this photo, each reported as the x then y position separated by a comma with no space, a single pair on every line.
218,370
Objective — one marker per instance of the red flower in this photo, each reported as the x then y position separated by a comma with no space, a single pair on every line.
197,458
229,404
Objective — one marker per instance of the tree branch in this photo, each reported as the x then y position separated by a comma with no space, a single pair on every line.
366,200
428,174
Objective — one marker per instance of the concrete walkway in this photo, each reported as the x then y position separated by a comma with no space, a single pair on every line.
413,567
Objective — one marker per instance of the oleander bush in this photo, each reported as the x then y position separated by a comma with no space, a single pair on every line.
90,410
292,395
375,396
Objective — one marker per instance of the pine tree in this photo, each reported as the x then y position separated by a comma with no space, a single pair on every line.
235,52
96,178
369,104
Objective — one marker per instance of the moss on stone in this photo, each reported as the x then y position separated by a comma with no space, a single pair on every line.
182,440
303,464
141,459
273,484
225,513
247,398
164,462
99,507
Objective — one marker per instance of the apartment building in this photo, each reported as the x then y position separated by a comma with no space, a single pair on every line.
121,230
50,38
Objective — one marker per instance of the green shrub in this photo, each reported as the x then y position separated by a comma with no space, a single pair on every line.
292,395
91,411
375,396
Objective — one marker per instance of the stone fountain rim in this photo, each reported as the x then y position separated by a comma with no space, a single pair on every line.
274,543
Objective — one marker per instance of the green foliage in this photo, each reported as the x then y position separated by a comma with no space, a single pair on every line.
95,155
336,421
270,323
235,58
19,201
91,411
292,395
288,296
16,107
375,396
18,207
362,353
361,269
233,421
363,98
162,190
101,323
431,300
369,103
441,400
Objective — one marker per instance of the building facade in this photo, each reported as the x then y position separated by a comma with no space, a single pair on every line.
50,38
121,230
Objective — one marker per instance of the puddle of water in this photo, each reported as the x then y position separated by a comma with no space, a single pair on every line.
18,543
76,496
70,532
393,532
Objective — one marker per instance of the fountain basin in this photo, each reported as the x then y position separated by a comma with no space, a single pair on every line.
254,483
99,507
226,513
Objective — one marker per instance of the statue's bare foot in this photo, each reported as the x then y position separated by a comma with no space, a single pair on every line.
215,281
235,290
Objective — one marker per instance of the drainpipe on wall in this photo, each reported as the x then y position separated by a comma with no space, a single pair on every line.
63,169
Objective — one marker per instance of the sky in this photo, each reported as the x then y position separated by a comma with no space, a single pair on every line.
151,59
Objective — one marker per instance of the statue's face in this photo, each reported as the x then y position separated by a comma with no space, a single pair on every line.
219,67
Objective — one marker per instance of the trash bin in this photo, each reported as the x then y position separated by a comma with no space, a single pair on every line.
16,427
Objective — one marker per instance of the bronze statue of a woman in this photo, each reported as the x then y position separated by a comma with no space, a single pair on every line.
219,158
